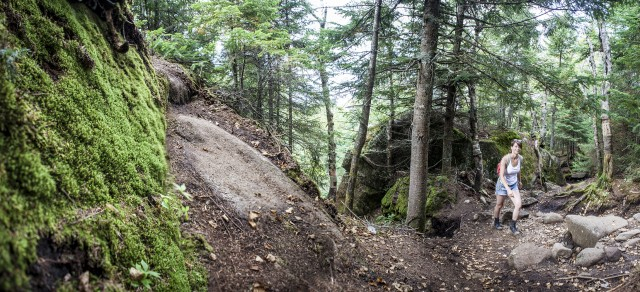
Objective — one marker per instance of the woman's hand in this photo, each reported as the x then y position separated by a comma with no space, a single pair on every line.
510,193
520,185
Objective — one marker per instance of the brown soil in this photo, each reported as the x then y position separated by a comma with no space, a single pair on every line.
292,242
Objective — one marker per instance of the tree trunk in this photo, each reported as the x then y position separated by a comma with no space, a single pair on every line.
596,140
421,113
333,180
543,119
392,113
278,96
450,107
289,86
473,123
366,108
538,171
270,89
552,139
290,109
607,160
258,115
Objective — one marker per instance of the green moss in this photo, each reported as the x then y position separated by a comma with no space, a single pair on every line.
395,202
81,150
396,198
503,140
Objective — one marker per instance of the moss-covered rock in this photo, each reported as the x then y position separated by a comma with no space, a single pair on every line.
81,153
375,178
395,202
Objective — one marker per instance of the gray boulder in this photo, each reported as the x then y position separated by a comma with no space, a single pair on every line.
528,255
586,231
560,251
589,256
624,236
637,217
612,253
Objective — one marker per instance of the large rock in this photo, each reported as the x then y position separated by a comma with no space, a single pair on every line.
375,179
637,217
586,231
528,255
589,256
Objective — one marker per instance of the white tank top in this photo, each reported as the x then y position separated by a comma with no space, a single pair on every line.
511,173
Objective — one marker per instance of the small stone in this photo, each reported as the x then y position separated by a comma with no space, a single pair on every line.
612,253
624,236
589,257
259,259
560,251
632,242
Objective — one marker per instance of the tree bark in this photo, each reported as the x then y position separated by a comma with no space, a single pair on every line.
543,119
450,107
421,113
538,170
552,139
596,140
392,113
607,160
473,123
366,108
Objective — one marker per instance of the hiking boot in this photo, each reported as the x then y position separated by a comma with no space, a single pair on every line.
496,224
514,229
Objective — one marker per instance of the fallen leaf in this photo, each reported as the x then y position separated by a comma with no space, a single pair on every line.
253,215
225,217
205,149
253,224
213,224
259,259
289,211
213,256
255,268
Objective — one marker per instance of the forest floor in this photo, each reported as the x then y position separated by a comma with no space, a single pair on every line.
265,234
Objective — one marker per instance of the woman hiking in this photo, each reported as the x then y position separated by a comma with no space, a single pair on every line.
509,184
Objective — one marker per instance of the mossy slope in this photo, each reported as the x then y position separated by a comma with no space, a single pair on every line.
81,156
